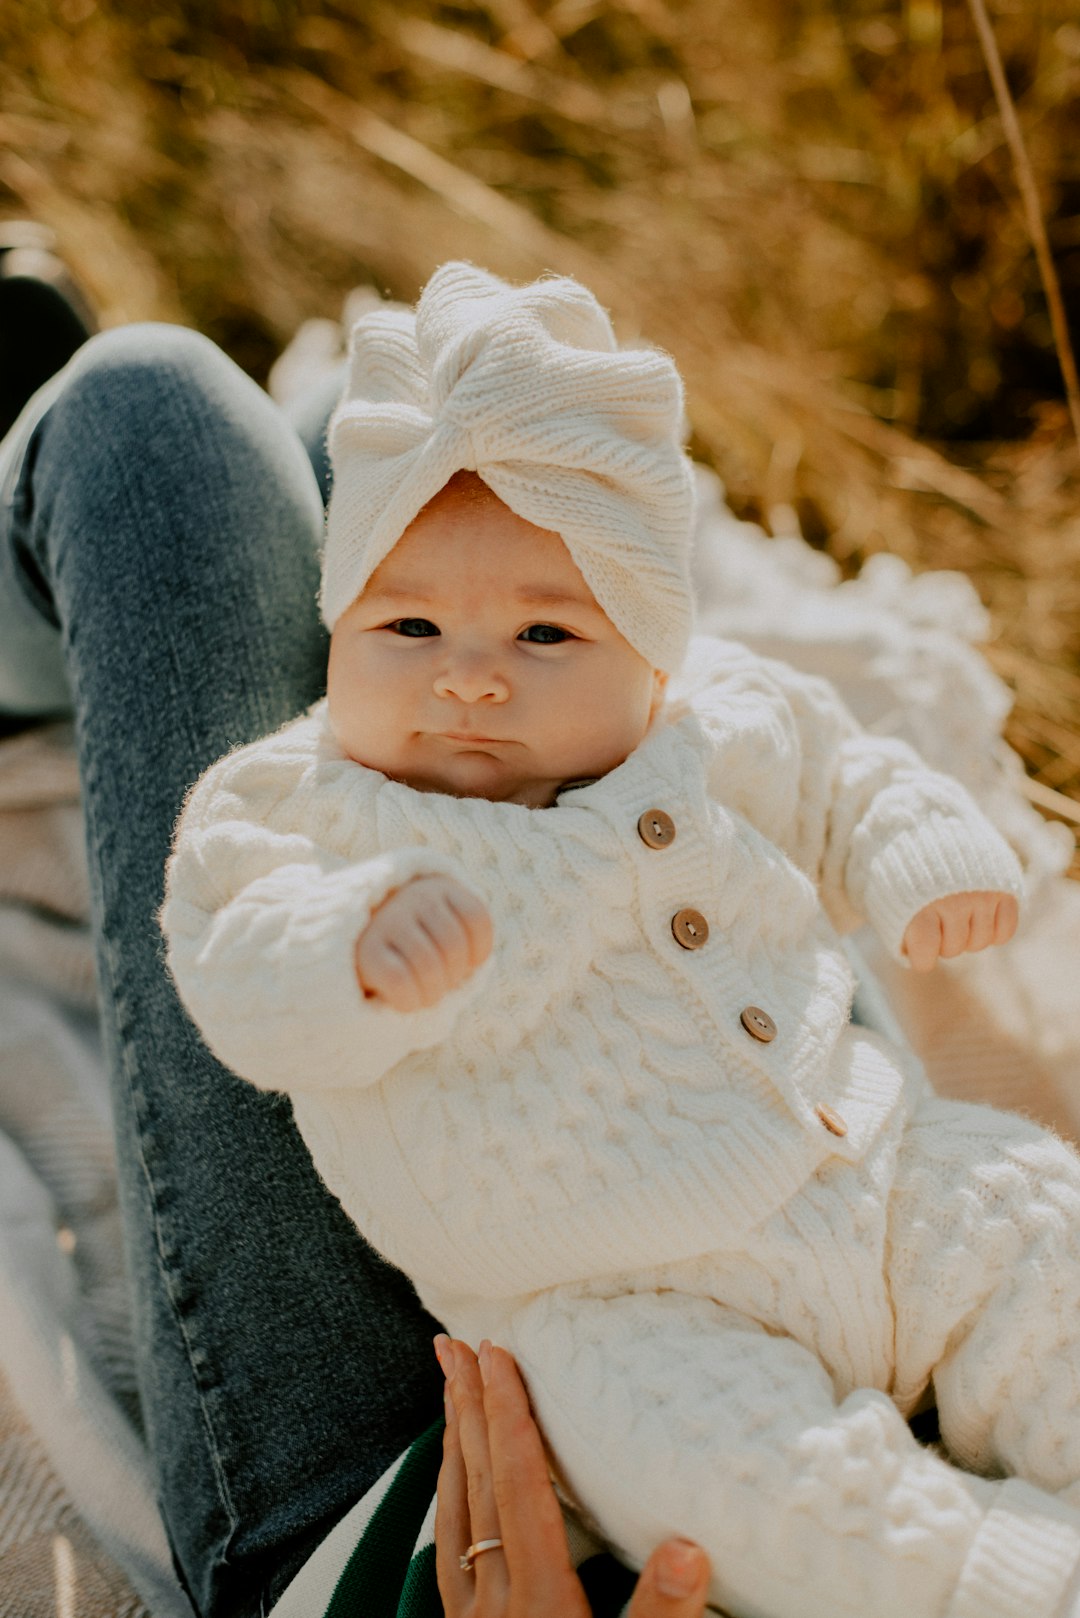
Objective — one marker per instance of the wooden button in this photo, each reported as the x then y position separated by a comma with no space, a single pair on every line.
656,828
758,1024
690,928
832,1120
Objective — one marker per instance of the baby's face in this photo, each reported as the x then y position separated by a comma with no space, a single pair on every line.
477,662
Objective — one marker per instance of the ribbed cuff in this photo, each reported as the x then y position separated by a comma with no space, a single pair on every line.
1023,1558
940,857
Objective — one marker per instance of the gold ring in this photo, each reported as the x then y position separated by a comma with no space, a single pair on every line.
482,1545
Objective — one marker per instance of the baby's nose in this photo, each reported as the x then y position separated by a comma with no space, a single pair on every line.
472,679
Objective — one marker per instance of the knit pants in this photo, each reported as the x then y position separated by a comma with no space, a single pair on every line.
756,1401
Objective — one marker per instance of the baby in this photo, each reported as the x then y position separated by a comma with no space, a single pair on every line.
536,919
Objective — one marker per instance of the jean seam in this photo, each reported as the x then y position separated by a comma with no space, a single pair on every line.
130,1074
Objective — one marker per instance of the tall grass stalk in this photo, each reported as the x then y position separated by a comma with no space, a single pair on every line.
1032,209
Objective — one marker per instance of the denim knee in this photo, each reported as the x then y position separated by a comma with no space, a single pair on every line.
155,418
160,492
58,474
138,386
117,375
145,351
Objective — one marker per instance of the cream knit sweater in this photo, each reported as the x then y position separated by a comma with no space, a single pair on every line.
584,1150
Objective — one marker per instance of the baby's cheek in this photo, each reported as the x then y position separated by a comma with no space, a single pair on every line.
355,733
605,723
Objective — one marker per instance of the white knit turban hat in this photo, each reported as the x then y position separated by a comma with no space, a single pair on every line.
527,387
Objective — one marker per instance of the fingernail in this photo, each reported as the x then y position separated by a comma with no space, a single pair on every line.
484,1357
678,1570
444,1353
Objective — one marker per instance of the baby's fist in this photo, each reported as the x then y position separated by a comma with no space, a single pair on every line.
962,922
421,942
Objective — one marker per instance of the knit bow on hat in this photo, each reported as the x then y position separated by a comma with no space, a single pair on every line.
527,387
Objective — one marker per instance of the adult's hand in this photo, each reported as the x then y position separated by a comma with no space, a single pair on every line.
494,1484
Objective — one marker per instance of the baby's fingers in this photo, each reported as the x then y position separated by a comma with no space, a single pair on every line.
922,941
385,973
457,927
674,1582
956,913
421,940
475,920
983,921
1006,918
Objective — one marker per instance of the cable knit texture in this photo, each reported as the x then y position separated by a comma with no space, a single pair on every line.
528,387
583,1152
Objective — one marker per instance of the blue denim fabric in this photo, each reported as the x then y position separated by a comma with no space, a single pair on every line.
158,570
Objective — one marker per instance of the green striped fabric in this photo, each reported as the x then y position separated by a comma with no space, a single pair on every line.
391,1572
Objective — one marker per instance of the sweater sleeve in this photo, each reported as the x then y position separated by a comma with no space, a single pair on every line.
880,833
260,925
901,836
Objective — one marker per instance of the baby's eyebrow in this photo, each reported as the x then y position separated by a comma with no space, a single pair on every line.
533,595
545,596
401,592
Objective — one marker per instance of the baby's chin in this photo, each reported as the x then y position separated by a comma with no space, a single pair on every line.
472,775
495,785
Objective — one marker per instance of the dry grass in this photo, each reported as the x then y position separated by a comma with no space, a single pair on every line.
809,202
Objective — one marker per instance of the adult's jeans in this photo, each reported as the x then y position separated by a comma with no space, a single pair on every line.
159,531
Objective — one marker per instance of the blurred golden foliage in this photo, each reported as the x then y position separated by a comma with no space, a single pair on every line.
810,203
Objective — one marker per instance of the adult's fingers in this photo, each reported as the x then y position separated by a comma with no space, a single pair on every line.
452,1529
674,1582
466,1391
534,1537
494,1479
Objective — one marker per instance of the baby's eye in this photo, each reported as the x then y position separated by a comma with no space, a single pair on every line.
545,634
415,628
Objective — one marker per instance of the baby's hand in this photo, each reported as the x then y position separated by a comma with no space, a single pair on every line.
422,941
962,922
